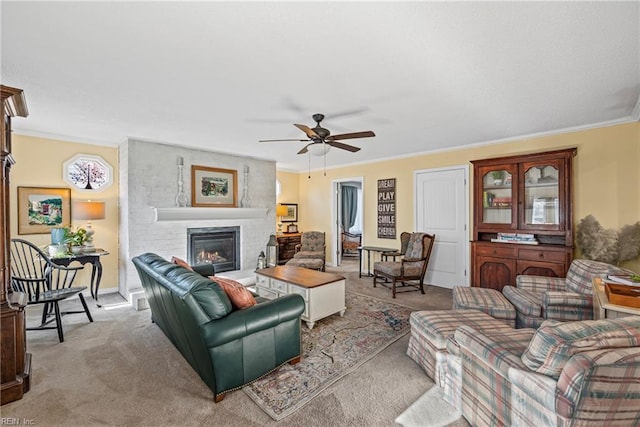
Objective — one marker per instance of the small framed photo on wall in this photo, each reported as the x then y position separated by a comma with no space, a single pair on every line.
292,212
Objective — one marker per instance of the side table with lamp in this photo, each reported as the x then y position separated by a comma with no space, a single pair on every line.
89,210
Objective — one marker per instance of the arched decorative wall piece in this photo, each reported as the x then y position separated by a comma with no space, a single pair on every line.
88,172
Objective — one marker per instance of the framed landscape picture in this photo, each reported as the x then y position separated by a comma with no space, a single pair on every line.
213,187
42,208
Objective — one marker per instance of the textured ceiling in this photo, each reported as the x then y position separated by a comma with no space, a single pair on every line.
424,76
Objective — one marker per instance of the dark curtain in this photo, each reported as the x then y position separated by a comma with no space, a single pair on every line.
349,206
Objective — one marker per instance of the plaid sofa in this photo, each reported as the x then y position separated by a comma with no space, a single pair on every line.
562,374
537,298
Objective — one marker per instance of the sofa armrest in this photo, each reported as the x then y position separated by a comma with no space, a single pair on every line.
566,299
240,323
608,375
484,347
205,270
537,387
533,398
540,283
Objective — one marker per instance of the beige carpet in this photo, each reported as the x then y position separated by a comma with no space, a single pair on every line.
121,370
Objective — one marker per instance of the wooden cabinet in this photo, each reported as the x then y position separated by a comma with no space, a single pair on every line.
522,222
287,246
15,365
496,265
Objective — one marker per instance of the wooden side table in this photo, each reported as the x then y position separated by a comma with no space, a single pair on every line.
92,258
603,309
368,250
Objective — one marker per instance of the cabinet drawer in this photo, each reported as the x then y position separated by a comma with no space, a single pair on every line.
304,292
497,251
267,293
279,286
541,255
262,280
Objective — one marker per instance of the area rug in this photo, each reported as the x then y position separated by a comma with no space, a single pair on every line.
430,410
334,347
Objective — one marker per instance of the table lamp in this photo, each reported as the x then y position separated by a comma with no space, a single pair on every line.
89,211
281,210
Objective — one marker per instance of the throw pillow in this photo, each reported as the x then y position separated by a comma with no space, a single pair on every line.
239,295
554,343
181,263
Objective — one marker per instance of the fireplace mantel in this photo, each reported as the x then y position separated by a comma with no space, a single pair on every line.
186,214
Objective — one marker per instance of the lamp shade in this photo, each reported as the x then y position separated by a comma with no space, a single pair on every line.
282,210
318,148
88,210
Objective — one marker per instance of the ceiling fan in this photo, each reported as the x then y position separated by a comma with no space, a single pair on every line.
320,138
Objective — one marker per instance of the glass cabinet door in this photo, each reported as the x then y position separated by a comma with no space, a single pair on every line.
542,195
497,195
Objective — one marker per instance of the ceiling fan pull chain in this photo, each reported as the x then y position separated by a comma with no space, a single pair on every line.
309,157
325,157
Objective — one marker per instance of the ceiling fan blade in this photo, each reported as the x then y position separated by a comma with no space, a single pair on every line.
306,129
348,112
352,135
304,150
283,140
343,146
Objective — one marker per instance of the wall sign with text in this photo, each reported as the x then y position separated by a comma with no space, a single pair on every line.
387,208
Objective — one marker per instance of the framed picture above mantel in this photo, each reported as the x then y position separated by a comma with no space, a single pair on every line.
214,187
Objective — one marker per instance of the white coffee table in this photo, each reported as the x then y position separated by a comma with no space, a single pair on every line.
323,293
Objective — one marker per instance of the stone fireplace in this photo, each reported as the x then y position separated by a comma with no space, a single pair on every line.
219,246
151,222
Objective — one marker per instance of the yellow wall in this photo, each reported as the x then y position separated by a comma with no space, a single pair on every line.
39,163
606,183
606,180
289,190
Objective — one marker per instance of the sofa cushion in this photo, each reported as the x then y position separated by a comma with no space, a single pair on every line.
239,295
207,294
181,262
554,342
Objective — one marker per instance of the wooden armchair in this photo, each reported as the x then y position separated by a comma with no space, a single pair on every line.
410,270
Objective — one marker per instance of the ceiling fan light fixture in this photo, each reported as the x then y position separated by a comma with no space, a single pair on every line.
318,149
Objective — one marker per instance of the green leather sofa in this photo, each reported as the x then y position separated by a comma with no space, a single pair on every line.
227,348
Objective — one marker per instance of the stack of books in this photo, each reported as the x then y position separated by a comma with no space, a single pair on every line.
623,279
525,239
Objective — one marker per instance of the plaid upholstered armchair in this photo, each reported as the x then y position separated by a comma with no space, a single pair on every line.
312,246
537,298
562,374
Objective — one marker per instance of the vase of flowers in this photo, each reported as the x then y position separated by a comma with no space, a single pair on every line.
75,240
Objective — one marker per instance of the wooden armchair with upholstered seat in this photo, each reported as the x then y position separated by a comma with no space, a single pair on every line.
311,246
409,271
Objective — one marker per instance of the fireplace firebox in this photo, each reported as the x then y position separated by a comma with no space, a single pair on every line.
219,246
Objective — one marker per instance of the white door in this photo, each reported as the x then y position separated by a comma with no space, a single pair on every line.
442,208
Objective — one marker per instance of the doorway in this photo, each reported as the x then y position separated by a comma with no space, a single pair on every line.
352,186
442,208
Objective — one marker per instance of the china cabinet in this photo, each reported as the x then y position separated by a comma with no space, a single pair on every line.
522,217
15,365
